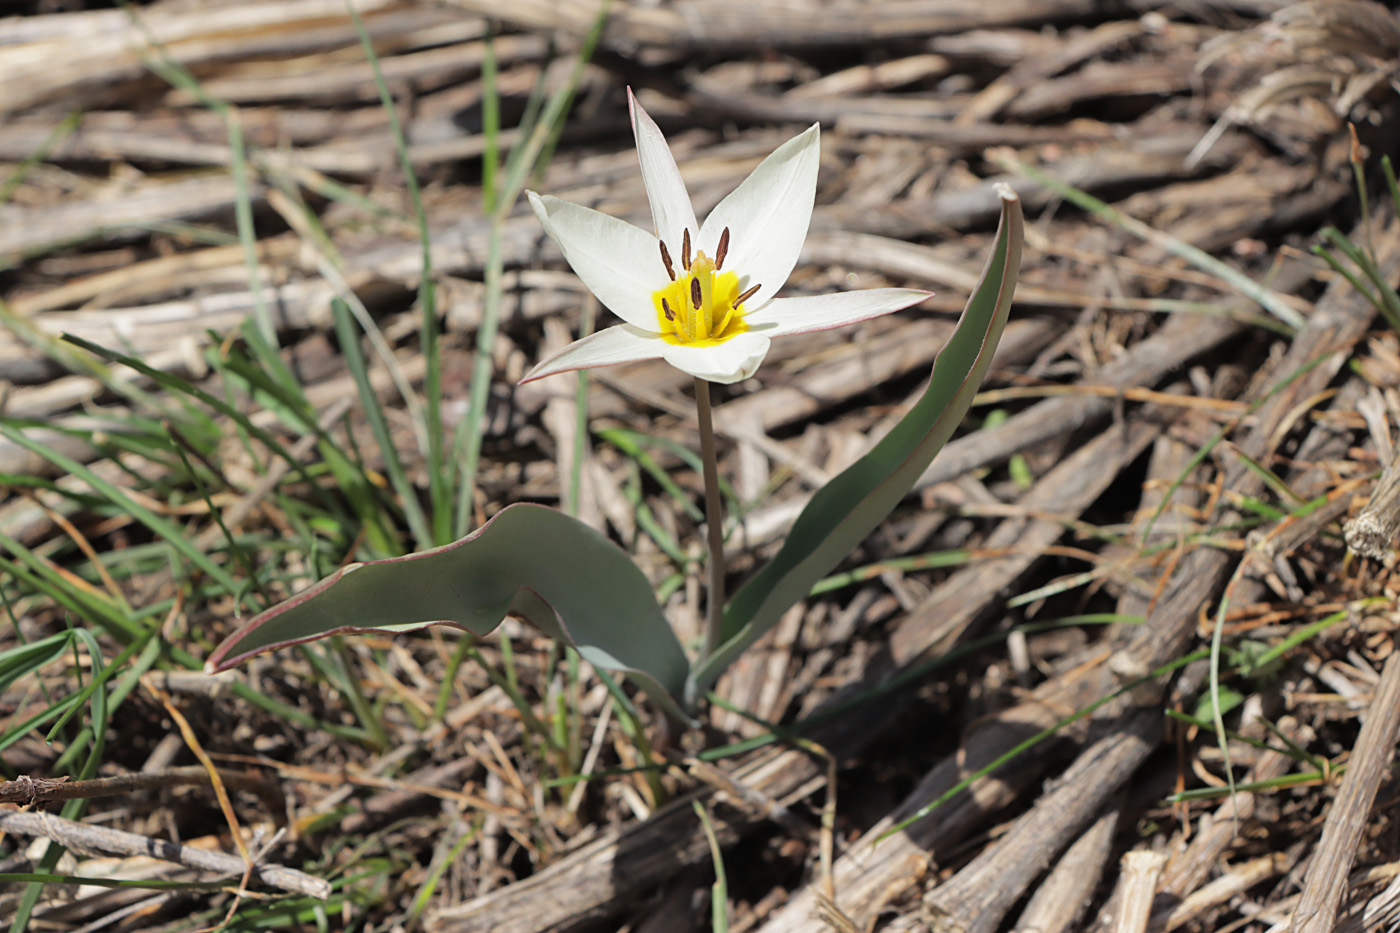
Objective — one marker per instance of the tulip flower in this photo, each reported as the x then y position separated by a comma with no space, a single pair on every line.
702,296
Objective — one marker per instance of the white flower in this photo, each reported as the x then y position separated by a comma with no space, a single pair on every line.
701,296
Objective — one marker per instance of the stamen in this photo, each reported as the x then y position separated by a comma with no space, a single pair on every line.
677,322
745,296
724,322
692,310
666,260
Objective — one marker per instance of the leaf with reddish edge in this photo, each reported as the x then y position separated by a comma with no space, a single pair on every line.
844,511
533,562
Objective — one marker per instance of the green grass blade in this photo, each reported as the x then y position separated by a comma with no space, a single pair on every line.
522,160
369,401
182,387
719,891
145,885
21,171
631,443
1012,753
26,658
439,867
490,121
170,533
440,473
1199,258
168,68
41,577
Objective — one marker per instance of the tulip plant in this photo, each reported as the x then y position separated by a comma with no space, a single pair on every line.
703,297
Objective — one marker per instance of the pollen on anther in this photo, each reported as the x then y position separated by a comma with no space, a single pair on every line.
695,297
685,251
723,249
666,260
744,297
670,315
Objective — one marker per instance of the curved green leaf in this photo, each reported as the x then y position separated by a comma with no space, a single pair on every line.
847,509
541,565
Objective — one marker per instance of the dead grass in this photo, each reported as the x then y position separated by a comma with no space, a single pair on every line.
1132,479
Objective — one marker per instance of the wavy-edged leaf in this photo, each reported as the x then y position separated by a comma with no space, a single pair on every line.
847,509
541,565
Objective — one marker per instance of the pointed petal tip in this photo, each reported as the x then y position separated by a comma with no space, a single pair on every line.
769,213
808,140
544,368
538,205
622,343
671,211
1005,191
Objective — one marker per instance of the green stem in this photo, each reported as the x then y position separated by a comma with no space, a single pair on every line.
714,520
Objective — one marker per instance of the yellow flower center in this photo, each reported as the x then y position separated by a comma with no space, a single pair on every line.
701,306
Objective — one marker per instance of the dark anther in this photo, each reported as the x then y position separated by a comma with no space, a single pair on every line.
670,315
695,293
744,297
723,249
666,260
685,251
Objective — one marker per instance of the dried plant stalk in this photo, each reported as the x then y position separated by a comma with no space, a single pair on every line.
1370,533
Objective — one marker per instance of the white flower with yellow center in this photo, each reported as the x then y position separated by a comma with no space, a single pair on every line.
701,296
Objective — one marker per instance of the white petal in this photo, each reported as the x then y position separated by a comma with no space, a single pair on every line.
822,312
671,209
618,262
767,215
732,361
621,344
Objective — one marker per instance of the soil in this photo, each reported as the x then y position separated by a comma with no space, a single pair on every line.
1184,418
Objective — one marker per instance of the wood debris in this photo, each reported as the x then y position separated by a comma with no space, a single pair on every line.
1059,574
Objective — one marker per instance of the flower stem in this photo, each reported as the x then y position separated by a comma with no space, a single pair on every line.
714,520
